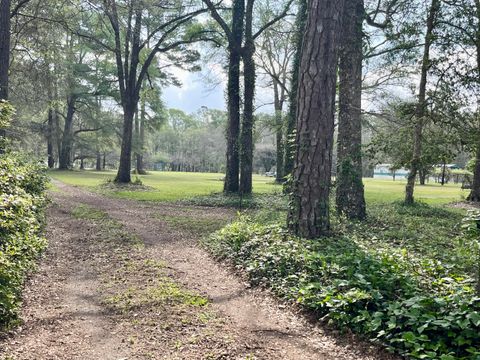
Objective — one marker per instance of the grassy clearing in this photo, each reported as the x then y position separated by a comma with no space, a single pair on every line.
386,191
172,186
166,186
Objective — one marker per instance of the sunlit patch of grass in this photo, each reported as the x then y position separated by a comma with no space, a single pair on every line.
159,186
85,212
111,230
174,186
196,225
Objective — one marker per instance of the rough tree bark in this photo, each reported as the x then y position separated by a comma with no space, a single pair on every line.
309,214
50,139
475,192
65,155
232,175
350,199
246,135
234,35
279,96
4,47
4,55
141,139
98,162
50,122
289,148
421,108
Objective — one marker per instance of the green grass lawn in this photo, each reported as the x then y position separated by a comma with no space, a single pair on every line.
172,186
382,191
166,186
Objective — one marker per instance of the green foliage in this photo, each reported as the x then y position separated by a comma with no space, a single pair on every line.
6,112
22,187
394,279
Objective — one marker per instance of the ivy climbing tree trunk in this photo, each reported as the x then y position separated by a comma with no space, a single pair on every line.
246,136
350,198
289,148
420,111
234,35
232,175
309,214
279,128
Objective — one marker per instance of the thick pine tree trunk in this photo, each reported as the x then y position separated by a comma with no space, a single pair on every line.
420,111
290,148
309,214
65,155
350,197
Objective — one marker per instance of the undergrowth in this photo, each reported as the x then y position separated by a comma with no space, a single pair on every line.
22,202
404,279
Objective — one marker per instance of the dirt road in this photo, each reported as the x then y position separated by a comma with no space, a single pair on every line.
127,280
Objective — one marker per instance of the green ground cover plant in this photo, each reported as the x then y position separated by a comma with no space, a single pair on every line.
22,203
405,279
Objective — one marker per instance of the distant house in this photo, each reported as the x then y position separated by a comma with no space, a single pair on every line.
385,171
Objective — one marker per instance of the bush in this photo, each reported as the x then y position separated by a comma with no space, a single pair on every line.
413,305
22,187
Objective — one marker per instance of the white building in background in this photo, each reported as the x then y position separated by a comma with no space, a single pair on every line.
384,171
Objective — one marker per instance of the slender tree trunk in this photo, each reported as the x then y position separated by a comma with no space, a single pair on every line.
65,156
98,163
475,192
141,140
50,122
279,131
246,136
50,139
232,176
350,197
4,47
289,156
309,214
125,167
104,162
420,111
422,174
4,56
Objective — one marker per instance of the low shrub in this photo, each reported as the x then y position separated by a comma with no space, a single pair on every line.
413,305
22,187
